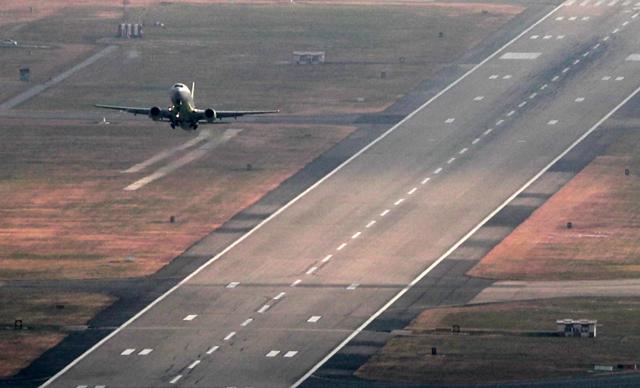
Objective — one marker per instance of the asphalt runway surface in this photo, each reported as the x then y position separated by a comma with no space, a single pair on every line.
273,306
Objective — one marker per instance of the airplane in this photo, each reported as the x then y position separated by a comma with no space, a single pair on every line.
182,112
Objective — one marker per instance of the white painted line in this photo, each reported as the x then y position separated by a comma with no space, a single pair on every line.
625,23
579,99
451,160
246,322
213,349
532,96
572,18
384,213
356,235
499,122
584,3
552,122
353,286
293,201
606,78
576,62
453,248
328,257
229,336
462,151
263,309
82,386
438,170
100,386
475,141
280,295
314,318
543,87
534,36
554,79
272,353
547,37
313,269
127,352
295,283
398,202
370,224
511,113
193,364
619,78
478,98
585,54
560,37
493,76
190,317
144,352
523,103
566,69
519,55
559,18
410,192
341,247
487,132
290,353
635,15
175,379
233,284
585,18
606,38
598,44
508,76
615,31
449,120
425,180
633,57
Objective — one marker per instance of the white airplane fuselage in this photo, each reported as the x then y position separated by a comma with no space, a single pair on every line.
182,107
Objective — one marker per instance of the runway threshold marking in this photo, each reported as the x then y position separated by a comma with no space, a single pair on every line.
190,317
145,352
314,318
290,353
289,204
127,352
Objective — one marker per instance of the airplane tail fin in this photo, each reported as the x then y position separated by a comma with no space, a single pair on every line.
193,89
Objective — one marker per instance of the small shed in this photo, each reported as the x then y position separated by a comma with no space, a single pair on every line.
308,57
576,327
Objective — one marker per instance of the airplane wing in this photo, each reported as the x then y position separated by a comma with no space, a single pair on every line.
162,114
237,113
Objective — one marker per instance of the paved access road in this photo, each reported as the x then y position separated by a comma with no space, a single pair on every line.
272,306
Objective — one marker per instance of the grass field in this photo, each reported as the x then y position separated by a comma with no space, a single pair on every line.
603,205
507,354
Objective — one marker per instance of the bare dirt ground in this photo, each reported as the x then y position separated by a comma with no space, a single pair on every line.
64,213
602,204
497,341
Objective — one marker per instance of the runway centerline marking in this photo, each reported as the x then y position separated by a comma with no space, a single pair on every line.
398,202
311,270
229,336
478,98
279,296
487,132
532,96
410,192
384,213
327,258
213,349
175,379
352,286
193,364
314,318
462,151
438,170
552,122
246,322
233,284
370,224
425,180
499,122
341,246
190,317
263,309
449,120
451,160
579,99
356,235
475,141
295,283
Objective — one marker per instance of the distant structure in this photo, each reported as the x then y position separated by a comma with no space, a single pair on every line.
308,57
25,74
130,30
576,327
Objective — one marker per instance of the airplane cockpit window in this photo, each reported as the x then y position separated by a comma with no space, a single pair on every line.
177,85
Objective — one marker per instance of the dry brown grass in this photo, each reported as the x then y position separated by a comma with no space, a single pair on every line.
602,204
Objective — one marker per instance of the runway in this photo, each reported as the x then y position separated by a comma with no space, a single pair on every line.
275,303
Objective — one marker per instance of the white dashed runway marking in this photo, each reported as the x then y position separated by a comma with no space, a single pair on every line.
520,55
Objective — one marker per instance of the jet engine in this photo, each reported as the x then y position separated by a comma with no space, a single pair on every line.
154,113
210,115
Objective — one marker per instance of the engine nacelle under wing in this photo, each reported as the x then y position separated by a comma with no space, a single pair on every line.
210,115
155,113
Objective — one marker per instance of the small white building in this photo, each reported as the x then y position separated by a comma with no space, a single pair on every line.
308,57
576,327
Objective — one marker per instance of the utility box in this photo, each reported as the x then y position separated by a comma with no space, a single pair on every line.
576,327
308,57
